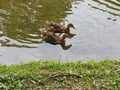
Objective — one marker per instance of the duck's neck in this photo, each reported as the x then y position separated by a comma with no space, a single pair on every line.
64,36
68,27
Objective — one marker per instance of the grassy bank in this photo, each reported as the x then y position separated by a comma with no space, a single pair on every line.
53,75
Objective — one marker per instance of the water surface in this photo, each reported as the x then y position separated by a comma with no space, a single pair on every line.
97,31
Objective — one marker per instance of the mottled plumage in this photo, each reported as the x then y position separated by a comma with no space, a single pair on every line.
58,28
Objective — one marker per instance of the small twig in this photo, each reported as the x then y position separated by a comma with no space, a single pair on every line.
65,75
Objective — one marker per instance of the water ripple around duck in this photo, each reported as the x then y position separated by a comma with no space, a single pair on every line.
110,6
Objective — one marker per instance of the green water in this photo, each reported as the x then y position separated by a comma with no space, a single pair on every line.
20,20
97,31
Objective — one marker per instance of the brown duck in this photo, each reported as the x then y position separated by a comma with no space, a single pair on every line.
51,38
58,28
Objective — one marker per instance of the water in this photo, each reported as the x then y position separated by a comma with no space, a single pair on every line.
97,31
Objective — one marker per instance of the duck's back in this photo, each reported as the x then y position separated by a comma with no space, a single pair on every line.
56,27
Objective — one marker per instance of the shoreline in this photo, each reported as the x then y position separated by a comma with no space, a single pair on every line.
56,75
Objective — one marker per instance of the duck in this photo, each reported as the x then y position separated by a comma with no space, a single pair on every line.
54,39
58,28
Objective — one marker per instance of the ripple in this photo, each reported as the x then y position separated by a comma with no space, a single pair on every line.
5,41
20,20
110,6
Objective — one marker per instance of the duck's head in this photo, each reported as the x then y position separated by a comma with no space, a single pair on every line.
70,25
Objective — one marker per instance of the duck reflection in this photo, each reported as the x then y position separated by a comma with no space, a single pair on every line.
54,39
50,35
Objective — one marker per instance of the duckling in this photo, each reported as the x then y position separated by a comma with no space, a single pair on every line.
58,28
54,39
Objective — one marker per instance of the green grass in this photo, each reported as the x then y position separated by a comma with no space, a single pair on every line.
54,75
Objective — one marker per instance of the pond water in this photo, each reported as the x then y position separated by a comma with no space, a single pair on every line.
97,24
